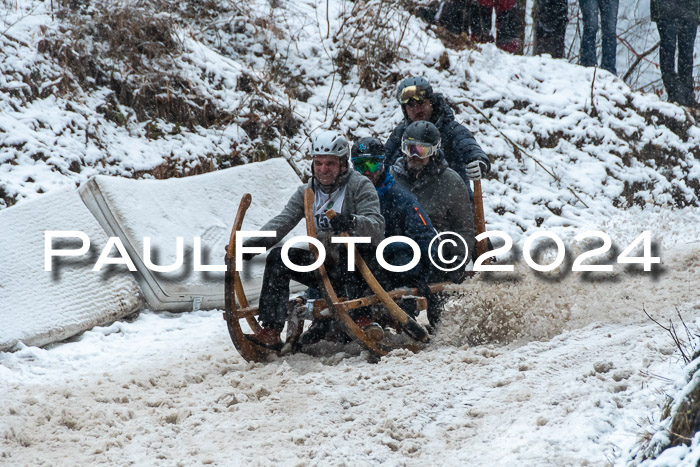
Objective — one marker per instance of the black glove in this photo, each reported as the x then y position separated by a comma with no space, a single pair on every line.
423,289
245,256
248,256
343,223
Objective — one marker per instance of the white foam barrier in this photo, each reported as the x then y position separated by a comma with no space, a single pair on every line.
201,206
39,307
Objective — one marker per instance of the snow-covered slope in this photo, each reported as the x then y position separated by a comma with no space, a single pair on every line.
167,389
272,73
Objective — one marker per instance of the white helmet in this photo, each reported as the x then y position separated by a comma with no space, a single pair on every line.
330,143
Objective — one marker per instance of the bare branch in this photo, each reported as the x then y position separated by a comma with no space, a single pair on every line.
649,316
638,60
519,148
594,111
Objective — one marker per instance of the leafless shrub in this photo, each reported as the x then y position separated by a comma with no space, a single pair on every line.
686,344
130,48
684,414
369,38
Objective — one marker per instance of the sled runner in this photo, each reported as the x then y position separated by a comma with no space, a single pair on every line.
408,333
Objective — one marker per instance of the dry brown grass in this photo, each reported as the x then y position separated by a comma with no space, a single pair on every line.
128,47
686,421
370,37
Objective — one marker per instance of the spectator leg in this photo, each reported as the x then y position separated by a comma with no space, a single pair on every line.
480,22
608,20
550,27
687,31
506,35
589,13
667,57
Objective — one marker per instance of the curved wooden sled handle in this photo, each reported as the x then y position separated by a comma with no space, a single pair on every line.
479,219
411,326
234,288
341,312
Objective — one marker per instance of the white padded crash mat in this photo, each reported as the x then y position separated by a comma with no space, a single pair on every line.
200,206
39,307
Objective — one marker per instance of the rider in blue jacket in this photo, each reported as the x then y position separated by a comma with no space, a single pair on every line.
403,216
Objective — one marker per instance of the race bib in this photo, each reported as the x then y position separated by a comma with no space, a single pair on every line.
324,202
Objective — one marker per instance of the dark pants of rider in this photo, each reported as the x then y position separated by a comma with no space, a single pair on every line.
550,21
399,254
608,25
274,294
677,81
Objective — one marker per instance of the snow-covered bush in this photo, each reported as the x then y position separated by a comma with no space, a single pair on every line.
675,440
158,88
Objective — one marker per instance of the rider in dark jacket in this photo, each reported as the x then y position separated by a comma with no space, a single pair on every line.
444,196
418,102
403,216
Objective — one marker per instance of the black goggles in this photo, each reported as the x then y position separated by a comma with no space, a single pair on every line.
371,164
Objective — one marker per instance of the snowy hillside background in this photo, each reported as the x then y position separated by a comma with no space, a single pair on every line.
161,89
526,370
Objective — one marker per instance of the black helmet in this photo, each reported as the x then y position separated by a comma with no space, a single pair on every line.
368,155
421,139
413,88
367,147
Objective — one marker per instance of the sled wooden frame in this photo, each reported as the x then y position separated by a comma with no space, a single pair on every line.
237,306
233,288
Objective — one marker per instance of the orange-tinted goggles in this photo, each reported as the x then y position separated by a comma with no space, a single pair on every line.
423,151
411,93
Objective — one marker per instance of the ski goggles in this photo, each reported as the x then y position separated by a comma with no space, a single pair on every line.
415,149
412,93
371,164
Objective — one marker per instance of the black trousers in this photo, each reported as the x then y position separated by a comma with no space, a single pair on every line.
274,295
467,16
550,18
677,81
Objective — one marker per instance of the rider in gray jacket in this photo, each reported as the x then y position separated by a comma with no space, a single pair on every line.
336,187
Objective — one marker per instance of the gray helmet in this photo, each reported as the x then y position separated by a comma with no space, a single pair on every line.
331,143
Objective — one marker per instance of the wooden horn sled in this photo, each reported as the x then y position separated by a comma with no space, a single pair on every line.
408,333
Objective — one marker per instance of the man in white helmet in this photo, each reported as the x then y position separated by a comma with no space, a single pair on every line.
346,192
